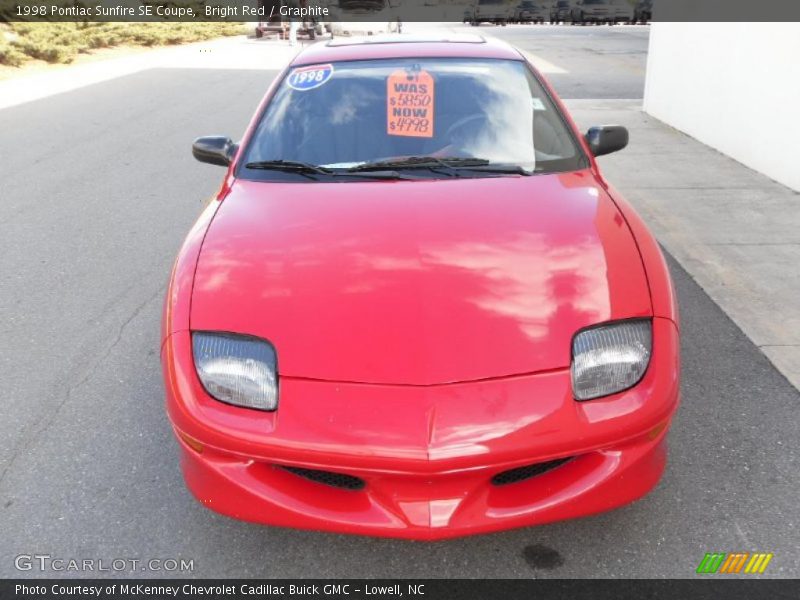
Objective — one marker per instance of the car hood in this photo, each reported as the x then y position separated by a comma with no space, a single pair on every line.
418,282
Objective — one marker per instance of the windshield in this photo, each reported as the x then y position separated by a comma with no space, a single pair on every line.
347,114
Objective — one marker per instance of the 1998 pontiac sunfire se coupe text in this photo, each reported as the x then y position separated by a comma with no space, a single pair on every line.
415,308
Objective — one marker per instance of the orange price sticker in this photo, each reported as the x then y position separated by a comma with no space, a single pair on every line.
409,103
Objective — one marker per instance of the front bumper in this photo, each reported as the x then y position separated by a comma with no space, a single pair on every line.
426,454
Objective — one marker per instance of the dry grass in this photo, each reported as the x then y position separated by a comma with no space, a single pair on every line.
63,42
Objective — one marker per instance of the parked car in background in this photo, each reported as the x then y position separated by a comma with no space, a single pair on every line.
643,11
623,11
491,11
469,14
561,11
529,11
276,23
596,11
365,17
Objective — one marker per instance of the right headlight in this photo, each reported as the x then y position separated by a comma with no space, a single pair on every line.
610,358
237,369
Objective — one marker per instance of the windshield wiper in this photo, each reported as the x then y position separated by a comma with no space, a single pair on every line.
288,165
389,169
502,169
292,166
445,165
309,170
382,174
421,162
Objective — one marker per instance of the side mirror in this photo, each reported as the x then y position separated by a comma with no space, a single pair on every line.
605,139
214,150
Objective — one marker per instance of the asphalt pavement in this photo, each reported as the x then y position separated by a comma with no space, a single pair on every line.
98,190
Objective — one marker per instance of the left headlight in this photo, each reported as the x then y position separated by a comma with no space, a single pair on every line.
610,358
237,369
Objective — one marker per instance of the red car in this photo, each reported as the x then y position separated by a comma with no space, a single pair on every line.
416,308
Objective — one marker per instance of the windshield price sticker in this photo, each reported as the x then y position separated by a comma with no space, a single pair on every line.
409,103
308,78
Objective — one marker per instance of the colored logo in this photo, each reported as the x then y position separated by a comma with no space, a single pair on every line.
308,78
734,563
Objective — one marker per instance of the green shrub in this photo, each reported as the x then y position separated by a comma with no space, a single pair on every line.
10,56
62,42
45,50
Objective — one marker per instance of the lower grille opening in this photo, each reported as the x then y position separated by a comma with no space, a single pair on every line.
337,480
528,471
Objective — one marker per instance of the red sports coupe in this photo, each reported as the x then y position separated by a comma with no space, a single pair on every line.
416,308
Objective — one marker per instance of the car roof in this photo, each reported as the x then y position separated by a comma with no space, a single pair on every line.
406,46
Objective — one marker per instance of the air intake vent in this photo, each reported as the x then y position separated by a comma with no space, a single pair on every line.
526,472
337,480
